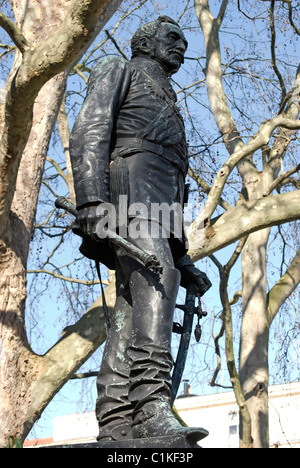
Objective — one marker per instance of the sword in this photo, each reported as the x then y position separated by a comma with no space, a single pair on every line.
190,310
150,261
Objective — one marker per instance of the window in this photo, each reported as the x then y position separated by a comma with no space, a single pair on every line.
233,439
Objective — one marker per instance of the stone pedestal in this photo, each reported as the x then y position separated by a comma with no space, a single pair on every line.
160,443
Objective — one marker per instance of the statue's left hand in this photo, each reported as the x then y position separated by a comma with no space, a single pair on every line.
191,274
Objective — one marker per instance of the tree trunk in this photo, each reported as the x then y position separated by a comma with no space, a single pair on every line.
256,185
28,381
20,365
254,371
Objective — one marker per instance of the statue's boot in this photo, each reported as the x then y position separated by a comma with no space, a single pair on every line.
113,409
154,300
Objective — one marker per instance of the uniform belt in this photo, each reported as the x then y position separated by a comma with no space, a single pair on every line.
138,144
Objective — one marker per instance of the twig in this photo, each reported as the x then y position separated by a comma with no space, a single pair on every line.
234,376
66,278
291,19
273,46
109,36
15,33
281,178
259,140
84,375
206,188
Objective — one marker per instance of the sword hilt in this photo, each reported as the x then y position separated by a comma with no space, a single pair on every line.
150,261
64,204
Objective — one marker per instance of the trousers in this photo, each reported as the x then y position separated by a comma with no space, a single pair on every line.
137,361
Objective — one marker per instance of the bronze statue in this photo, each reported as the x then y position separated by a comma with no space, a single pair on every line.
129,140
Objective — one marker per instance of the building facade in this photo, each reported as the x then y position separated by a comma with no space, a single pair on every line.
218,413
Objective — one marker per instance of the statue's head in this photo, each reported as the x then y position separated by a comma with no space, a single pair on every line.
163,41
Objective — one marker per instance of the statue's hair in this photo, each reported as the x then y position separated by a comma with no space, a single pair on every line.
148,31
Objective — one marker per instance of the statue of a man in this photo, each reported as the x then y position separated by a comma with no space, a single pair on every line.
130,120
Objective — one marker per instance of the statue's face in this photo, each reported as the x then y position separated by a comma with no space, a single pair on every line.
170,46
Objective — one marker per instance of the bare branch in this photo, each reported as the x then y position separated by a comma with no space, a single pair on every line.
222,12
84,375
243,13
283,136
259,140
109,36
218,353
67,278
206,188
273,54
243,220
237,296
67,356
215,90
57,167
282,178
78,70
284,288
52,56
227,325
15,33
64,133
291,18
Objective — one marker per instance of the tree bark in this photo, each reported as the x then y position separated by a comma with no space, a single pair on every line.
256,184
34,92
254,339
284,288
241,221
71,30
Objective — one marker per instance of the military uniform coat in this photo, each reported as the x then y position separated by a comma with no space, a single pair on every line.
130,111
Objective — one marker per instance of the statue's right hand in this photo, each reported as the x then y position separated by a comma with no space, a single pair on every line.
88,218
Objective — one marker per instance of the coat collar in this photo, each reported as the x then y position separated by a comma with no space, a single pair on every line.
156,71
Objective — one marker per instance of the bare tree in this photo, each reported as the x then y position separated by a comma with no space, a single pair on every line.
34,90
250,381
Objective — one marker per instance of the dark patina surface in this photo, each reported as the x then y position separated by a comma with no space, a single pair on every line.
129,140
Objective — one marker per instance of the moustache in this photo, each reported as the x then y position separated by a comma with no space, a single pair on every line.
177,52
